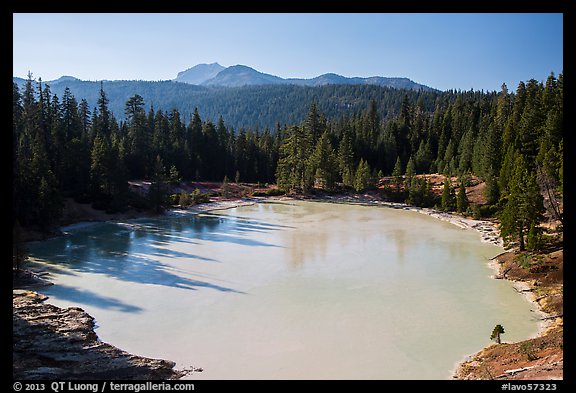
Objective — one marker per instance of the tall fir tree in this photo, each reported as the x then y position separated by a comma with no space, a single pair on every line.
291,173
346,159
323,163
524,206
461,198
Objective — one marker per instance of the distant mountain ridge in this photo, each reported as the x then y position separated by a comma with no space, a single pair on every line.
241,75
199,73
245,97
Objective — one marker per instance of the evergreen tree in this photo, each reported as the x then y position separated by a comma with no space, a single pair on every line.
397,173
313,125
292,174
533,238
346,159
61,149
423,157
498,330
174,176
100,167
461,198
102,124
225,188
410,171
323,163
418,194
448,196
362,179
158,186
524,205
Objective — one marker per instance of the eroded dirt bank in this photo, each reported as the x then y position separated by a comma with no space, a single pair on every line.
540,278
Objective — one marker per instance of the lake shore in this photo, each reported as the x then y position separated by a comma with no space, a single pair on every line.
488,231
60,344
540,356
548,325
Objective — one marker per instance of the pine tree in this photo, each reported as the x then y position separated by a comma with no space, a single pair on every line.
498,330
313,124
410,171
524,206
292,174
448,202
461,198
533,238
323,163
103,120
174,176
346,159
158,186
397,173
423,157
225,188
418,192
100,166
362,179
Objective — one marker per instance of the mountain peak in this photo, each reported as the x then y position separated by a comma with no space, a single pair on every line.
242,75
65,78
199,73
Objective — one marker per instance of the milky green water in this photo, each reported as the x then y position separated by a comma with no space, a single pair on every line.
289,290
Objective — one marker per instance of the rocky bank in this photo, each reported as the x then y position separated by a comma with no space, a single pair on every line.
49,342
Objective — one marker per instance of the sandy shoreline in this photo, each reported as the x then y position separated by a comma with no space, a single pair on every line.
526,290
211,206
489,232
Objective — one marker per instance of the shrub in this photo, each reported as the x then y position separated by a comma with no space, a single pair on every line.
173,199
488,210
527,349
199,197
184,200
275,192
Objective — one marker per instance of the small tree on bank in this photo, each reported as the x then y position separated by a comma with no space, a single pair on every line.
498,330
225,188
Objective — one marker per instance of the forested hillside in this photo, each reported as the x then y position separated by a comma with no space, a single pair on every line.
63,147
249,106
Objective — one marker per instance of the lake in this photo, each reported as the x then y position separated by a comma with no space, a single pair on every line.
289,290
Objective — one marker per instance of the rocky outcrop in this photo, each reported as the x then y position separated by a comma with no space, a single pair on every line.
54,343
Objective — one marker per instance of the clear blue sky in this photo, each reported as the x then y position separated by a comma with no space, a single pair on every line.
445,51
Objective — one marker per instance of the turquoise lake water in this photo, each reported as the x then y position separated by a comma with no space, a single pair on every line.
288,290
